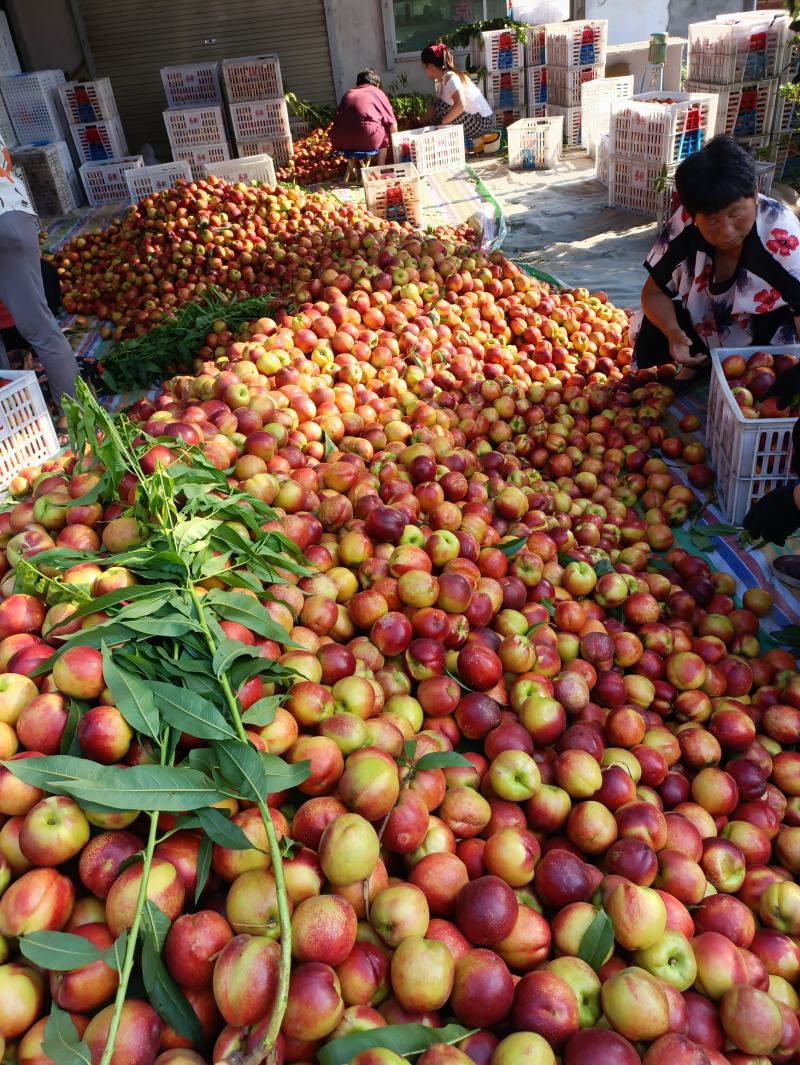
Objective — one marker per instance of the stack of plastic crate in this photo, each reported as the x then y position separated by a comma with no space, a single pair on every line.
649,135
93,120
786,130
33,107
576,54
50,176
194,117
536,71
502,56
596,98
259,116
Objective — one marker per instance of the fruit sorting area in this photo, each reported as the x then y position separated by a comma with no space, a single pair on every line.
358,700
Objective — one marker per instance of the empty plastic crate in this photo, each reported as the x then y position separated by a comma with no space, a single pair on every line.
258,168
88,101
750,457
572,122
637,185
393,193
193,126
662,127
742,110
105,182
9,61
192,85
33,105
535,143
6,129
505,88
431,148
498,50
202,156
51,176
147,180
97,141
725,53
279,149
577,44
596,97
253,77
260,119
536,86
536,46
27,434
564,84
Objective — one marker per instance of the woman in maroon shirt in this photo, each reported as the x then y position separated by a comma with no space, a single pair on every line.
364,119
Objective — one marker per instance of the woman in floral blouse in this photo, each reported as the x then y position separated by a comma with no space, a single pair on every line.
726,270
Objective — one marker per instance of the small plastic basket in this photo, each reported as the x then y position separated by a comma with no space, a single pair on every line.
148,180
253,77
393,193
535,143
498,50
105,182
564,84
9,60
596,97
279,149
6,129
536,46
202,156
51,176
260,120
742,110
536,86
97,141
572,123
577,44
192,85
662,127
750,457
256,168
723,53
88,101
33,105
27,434
431,148
190,127
505,89
637,185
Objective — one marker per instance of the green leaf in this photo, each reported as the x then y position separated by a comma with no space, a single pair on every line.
155,925
513,547
228,652
54,772
114,956
166,997
189,712
131,697
61,1043
122,595
220,829
75,711
164,627
203,866
262,712
603,566
252,775
597,941
60,951
403,1039
236,606
443,760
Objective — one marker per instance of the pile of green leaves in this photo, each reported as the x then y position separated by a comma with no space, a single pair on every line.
169,348
471,31
316,115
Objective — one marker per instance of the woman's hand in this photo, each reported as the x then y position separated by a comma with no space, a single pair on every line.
680,348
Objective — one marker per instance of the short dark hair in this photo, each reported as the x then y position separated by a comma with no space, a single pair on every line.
369,77
715,177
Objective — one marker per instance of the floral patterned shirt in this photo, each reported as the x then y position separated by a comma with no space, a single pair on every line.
13,196
762,298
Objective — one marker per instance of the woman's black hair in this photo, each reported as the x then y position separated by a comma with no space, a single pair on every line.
715,177
369,77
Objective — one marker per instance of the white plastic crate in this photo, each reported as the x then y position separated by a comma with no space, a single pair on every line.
260,119
536,86
98,141
27,434
9,60
298,127
105,182
88,101
765,175
393,193
572,123
279,149
596,97
750,457
190,127
201,156
147,180
6,129
601,160
503,119
748,50
192,85
431,148
51,177
258,168
505,89
498,50
535,143
742,110
536,46
662,127
564,84
253,77
33,105
577,44
635,185
787,116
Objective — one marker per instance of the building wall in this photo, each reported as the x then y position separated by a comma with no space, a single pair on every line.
630,22
682,12
46,35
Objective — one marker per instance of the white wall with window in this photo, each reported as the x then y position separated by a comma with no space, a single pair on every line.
415,23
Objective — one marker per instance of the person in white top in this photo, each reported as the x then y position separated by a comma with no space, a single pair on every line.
21,286
459,100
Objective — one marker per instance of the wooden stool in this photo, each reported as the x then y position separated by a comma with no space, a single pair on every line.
356,162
